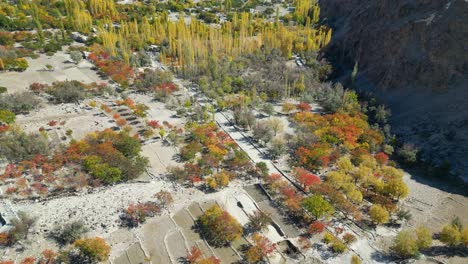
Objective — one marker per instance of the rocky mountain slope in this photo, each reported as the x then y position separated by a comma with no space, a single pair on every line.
413,55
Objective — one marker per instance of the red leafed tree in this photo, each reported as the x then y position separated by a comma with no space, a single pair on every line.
48,256
52,123
28,260
381,158
306,178
7,262
316,227
154,124
261,248
304,107
121,122
194,255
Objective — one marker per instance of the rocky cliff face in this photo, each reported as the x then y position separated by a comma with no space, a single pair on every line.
413,54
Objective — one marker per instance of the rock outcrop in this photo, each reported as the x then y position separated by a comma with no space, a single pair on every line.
412,54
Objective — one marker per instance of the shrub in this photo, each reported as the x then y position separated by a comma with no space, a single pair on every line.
259,220
136,214
219,227
317,206
95,249
355,260
70,232
164,198
408,153
327,238
378,214
21,226
405,245
68,92
19,103
7,117
450,236
261,248
338,246
349,238
316,228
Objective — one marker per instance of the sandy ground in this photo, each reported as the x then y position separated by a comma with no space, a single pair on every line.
63,70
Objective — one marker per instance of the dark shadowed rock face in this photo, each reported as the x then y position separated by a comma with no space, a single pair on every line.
413,54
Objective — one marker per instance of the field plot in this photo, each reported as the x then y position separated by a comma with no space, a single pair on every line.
168,239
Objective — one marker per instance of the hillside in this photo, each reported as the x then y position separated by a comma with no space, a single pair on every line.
413,55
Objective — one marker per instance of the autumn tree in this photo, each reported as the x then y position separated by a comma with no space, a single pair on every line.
164,198
378,214
306,178
219,227
69,232
408,243
318,206
304,107
276,125
259,220
454,233
287,108
316,227
196,257
94,249
261,248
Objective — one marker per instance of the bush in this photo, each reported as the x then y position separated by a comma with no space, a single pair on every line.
136,214
450,236
69,233
408,153
349,238
327,238
21,226
17,146
68,92
219,227
94,249
316,228
259,220
7,117
355,260
318,206
338,246
405,245
19,103
378,214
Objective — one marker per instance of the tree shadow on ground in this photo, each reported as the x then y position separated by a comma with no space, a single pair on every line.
446,251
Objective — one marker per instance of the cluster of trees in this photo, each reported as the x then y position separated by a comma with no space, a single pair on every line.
454,234
115,67
211,156
19,103
408,243
70,91
109,156
136,214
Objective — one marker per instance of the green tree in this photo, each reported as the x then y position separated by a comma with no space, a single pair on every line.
318,206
